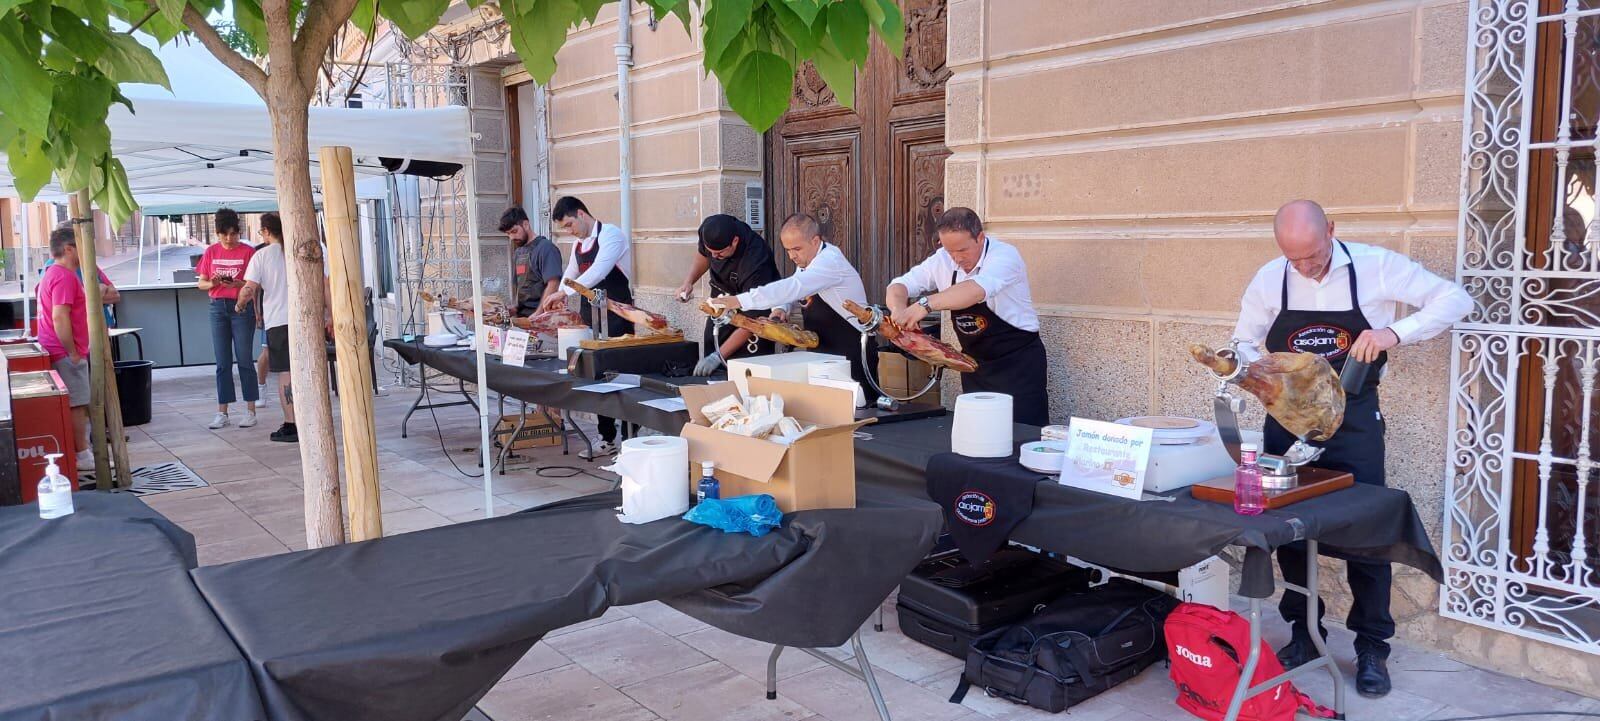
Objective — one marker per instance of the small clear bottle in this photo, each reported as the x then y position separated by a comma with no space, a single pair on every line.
709,486
55,491
1248,498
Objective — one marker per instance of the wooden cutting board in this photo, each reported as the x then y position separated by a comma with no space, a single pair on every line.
595,344
1313,482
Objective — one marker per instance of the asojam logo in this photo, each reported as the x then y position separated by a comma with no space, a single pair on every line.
970,324
974,508
1328,341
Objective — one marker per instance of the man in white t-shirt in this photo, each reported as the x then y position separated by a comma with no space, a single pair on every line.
268,275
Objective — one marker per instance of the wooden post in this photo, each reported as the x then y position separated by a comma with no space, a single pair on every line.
83,228
364,518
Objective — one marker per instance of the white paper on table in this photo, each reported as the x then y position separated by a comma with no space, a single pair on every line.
1108,458
670,405
515,352
622,382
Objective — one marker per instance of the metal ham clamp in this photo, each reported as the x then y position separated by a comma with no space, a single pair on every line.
872,319
1300,391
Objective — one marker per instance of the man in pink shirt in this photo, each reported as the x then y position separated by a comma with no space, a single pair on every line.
64,330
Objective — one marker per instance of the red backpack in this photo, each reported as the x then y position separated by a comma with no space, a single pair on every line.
1206,650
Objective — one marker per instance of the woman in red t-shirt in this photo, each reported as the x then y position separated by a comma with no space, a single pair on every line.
221,273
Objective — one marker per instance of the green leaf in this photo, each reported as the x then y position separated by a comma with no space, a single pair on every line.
365,16
85,42
538,30
838,73
25,93
126,61
97,12
893,27
759,89
414,17
7,5
808,10
248,19
725,20
29,164
588,10
171,10
847,26
794,27
873,10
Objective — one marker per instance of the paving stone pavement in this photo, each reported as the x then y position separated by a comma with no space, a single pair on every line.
648,662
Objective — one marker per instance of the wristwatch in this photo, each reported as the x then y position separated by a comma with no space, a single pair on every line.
925,303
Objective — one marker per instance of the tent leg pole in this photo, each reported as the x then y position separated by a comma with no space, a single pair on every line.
485,450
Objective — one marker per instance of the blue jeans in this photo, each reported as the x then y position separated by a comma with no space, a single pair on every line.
233,333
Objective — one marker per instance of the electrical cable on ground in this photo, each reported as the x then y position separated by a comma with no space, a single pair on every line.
438,430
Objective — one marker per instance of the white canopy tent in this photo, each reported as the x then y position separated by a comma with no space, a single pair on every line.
178,150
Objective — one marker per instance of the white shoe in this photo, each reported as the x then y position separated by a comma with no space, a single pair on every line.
261,398
85,460
249,419
218,421
603,449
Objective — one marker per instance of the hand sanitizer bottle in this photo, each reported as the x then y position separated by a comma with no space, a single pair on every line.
709,487
55,491
1248,499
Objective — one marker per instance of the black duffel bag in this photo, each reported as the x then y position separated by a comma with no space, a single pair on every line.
1079,645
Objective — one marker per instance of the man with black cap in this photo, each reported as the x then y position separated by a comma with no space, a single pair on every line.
823,281
738,259
536,259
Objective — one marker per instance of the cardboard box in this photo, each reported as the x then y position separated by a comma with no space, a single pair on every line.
537,432
902,375
817,471
792,367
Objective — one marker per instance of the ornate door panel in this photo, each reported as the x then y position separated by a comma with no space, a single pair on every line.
873,176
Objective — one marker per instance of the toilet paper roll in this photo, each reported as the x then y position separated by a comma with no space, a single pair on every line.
655,478
567,338
982,426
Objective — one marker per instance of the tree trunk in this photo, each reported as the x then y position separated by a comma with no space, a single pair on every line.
288,105
83,227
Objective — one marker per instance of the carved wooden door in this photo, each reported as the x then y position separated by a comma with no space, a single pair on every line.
874,176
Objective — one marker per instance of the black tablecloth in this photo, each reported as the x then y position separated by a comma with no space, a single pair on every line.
1154,536
421,625
541,381
100,620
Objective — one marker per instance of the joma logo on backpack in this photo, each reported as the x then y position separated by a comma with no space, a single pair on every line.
1195,658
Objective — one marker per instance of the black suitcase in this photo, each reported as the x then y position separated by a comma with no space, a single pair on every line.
947,602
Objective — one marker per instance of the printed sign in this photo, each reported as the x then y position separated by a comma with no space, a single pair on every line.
515,352
1109,458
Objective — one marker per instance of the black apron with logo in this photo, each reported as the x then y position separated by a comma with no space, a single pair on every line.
838,336
1356,448
615,284
1010,360
750,267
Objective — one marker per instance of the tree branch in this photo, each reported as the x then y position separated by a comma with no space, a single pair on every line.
239,64
323,19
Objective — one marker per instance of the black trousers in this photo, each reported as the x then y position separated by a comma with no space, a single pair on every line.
1356,448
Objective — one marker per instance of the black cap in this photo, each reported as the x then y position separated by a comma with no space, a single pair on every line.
718,231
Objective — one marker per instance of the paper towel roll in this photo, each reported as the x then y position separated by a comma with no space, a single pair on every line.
655,478
982,426
833,369
567,338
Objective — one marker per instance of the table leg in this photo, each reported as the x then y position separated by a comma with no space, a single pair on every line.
866,673
1241,690
772,673
879,625
462,385
862,671
421,393
1313,605
139,343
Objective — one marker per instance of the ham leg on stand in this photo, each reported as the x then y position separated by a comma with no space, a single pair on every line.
917,343
1299,390
550,321
644,321
764,327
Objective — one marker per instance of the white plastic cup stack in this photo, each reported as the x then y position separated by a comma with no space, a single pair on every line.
655,478
982,427
568,338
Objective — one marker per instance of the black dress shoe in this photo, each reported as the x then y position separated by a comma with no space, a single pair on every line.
1299,652
1372,676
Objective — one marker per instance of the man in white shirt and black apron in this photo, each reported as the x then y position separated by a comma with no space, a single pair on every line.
1340,300
602,259
823,281
983,283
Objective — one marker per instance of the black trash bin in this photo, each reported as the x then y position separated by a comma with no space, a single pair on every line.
133,390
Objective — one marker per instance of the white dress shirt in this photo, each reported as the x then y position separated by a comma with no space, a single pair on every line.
1000,272
1384,280
829,277
615,252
